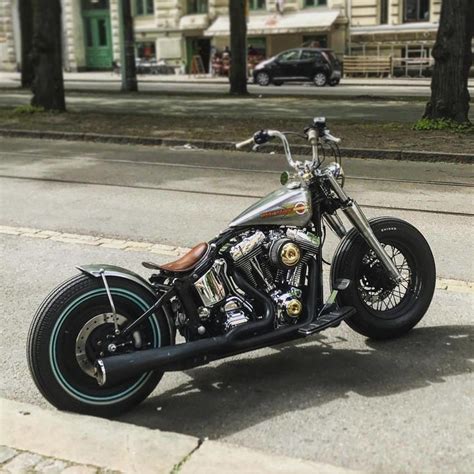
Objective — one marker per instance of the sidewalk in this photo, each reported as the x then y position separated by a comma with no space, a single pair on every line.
38,440
206,79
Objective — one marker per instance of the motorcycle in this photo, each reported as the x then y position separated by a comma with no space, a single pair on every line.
101,341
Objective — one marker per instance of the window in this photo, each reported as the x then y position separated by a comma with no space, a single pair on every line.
384,12
417,10
314,3
197,6
95,4
292,55
308,55
257,4
144,7
102,29
146,50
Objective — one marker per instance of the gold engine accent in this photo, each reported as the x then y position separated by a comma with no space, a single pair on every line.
293,308
290,254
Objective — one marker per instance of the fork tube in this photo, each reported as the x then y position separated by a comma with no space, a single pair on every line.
318,268
359,221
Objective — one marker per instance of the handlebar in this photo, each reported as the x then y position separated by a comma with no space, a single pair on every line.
313,133
243,144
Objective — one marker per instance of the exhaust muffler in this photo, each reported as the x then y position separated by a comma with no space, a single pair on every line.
115,369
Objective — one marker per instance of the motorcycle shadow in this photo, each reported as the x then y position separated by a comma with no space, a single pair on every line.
230,396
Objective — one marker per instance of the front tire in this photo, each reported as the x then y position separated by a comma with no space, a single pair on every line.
263,79
385,309
70,331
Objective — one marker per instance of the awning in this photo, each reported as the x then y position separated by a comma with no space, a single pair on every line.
394,29
275,24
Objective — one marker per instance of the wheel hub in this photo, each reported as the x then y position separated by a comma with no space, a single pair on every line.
94,340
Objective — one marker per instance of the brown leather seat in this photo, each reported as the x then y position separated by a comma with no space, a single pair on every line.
186,263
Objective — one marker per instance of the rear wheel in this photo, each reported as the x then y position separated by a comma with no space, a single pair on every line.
262,79
320,79
385,308
73,328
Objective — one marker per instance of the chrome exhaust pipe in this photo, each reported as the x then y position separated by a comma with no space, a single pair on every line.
115,369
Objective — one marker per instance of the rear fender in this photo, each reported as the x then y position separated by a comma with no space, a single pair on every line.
96,270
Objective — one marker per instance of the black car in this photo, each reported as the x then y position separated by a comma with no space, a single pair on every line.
302,64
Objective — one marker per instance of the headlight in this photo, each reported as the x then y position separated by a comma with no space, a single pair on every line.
259,66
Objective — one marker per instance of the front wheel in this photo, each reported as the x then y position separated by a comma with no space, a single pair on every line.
72,329
385,309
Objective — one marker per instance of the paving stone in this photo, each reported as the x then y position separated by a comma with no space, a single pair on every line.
4,230
28,230
140,245
7,453
34,235
49,233
166,248
51,466
80,470
24,462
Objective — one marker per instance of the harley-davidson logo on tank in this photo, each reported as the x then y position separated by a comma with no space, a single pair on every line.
284,206
299,208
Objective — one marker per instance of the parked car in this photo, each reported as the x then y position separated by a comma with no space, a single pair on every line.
318,65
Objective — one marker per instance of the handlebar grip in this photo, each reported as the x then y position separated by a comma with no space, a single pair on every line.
240,145
331,138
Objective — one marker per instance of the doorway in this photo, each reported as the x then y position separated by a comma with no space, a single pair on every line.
97,34
198,46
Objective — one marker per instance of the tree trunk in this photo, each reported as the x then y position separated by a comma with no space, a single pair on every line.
129,70
26,27
238,47
452,54
48,86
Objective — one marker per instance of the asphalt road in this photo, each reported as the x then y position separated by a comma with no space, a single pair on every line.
398,406
111,82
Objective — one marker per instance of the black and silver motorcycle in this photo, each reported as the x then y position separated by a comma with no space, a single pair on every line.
101,341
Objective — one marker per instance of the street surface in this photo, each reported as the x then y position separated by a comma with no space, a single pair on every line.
350,87
199,106
397,406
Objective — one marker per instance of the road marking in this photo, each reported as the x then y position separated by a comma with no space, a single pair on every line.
447,284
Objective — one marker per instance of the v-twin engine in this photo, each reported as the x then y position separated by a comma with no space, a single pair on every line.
273,261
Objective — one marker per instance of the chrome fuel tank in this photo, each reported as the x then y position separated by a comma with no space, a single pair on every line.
284,206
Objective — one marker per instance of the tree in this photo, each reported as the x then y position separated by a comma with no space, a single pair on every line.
453,59
129,70
238,47
26,27
48,86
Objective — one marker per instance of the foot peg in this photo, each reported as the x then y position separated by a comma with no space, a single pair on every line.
327,320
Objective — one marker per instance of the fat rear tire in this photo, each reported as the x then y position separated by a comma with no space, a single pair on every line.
54,332
348,263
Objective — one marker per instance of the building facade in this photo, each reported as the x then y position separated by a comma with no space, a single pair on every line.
174,31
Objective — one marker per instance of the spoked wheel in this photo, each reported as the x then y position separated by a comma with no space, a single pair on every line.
386,308
74,327
378,291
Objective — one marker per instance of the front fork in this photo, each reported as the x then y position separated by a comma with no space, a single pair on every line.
357,218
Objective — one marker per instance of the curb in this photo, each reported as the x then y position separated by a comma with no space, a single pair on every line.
122,447
364,153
